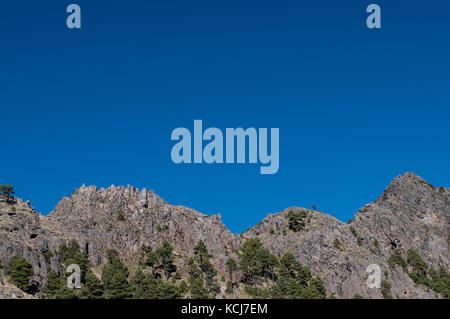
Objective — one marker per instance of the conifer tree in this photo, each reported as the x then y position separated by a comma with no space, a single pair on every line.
115,277
52,286
20,272
93,288
7,191
72,254
165,254
231,267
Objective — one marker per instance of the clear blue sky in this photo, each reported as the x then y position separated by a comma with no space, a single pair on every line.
355,107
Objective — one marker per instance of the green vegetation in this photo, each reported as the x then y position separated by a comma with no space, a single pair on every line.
7,191
152,258
231,267
148,286
115,282
337,244
20,271
296,220
419,268
115,277
206,272
440,282
359,239
72,254
396,259
296,281
165,256
386,289
256,262
120,215
263,274
93,287
52,286
421,273
357,296
287,278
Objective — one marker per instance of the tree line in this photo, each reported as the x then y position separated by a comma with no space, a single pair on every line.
262,274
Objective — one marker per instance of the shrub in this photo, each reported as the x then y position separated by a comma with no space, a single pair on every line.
120,215
359,240
337,244
353,231
419,268
440,282
386,289
296,220
396,259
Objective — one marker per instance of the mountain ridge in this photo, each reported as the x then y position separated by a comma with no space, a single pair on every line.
125,218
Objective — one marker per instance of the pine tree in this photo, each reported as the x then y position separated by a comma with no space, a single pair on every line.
419,268
165,254
296,220
72,254
182,288
20,272
315,290
197,289
256,262
207,271
7,191
93,288
52,286
140,285
231,267
115,277
152,260
66,293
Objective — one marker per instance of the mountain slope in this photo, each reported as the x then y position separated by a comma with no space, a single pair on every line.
410,214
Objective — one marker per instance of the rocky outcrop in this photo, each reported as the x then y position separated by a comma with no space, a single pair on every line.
22,235
124,218
410,213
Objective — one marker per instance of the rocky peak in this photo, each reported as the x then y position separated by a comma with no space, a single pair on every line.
124,218
411,213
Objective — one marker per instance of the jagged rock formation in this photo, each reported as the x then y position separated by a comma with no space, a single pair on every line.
125,218
410,214
21,234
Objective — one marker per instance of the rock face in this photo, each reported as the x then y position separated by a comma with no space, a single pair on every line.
410,214
22,235
125,218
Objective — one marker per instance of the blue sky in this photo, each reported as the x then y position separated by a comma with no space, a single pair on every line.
355,107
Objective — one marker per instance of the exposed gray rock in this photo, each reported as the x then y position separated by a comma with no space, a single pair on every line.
410,214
